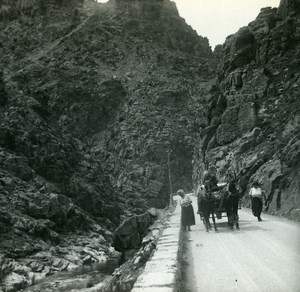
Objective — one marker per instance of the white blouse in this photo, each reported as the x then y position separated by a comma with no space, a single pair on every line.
255,192
185,201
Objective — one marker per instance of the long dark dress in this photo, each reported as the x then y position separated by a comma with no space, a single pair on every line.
187,216
256,206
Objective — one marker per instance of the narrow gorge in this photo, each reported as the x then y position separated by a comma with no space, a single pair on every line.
94,99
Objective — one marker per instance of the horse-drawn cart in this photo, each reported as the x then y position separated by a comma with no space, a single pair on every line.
218,203
219,197
218,200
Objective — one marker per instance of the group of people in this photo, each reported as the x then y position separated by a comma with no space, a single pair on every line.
210,185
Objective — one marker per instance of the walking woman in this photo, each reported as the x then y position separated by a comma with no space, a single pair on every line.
187,210
256,200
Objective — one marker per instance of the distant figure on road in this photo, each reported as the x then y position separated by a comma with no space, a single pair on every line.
256,200
187,210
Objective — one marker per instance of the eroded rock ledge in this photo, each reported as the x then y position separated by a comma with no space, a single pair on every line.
252,122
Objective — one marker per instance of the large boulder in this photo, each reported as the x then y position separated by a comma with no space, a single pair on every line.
14,282
129,235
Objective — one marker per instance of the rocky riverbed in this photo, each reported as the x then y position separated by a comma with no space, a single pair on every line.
80,278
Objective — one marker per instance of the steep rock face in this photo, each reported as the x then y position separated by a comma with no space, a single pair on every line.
122,95
91,100
256,132
94,97
10,10
287,7
171,30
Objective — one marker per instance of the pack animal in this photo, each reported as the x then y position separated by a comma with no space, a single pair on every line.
206,206
231,204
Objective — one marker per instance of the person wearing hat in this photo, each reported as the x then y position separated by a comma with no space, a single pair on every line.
256,200
210,180
187,210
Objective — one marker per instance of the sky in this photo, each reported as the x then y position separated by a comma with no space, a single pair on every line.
216,19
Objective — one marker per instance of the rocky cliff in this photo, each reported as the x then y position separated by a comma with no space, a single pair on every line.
93,97
253,117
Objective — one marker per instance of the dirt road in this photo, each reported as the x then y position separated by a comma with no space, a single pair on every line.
261,256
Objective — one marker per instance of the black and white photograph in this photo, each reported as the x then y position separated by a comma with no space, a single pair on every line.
150,145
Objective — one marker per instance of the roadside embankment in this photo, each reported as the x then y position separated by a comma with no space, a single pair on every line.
155,265
162,271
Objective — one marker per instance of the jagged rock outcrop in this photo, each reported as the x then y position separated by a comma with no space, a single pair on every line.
129,235
257,130
288,7
93,100
10,10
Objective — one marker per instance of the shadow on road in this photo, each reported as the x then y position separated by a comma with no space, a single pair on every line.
245,226
188,276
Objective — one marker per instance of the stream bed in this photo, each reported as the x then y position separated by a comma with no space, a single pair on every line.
83,277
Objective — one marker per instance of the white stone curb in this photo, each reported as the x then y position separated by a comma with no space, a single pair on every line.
162,271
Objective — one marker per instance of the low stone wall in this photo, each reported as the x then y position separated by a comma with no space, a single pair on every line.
162,271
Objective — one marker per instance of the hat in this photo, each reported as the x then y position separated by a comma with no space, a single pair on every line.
179,192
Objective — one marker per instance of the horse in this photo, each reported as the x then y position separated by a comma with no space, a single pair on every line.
231,203
206,207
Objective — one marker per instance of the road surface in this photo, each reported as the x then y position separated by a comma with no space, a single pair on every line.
260,257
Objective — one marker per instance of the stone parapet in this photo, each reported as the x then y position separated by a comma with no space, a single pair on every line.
162,271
